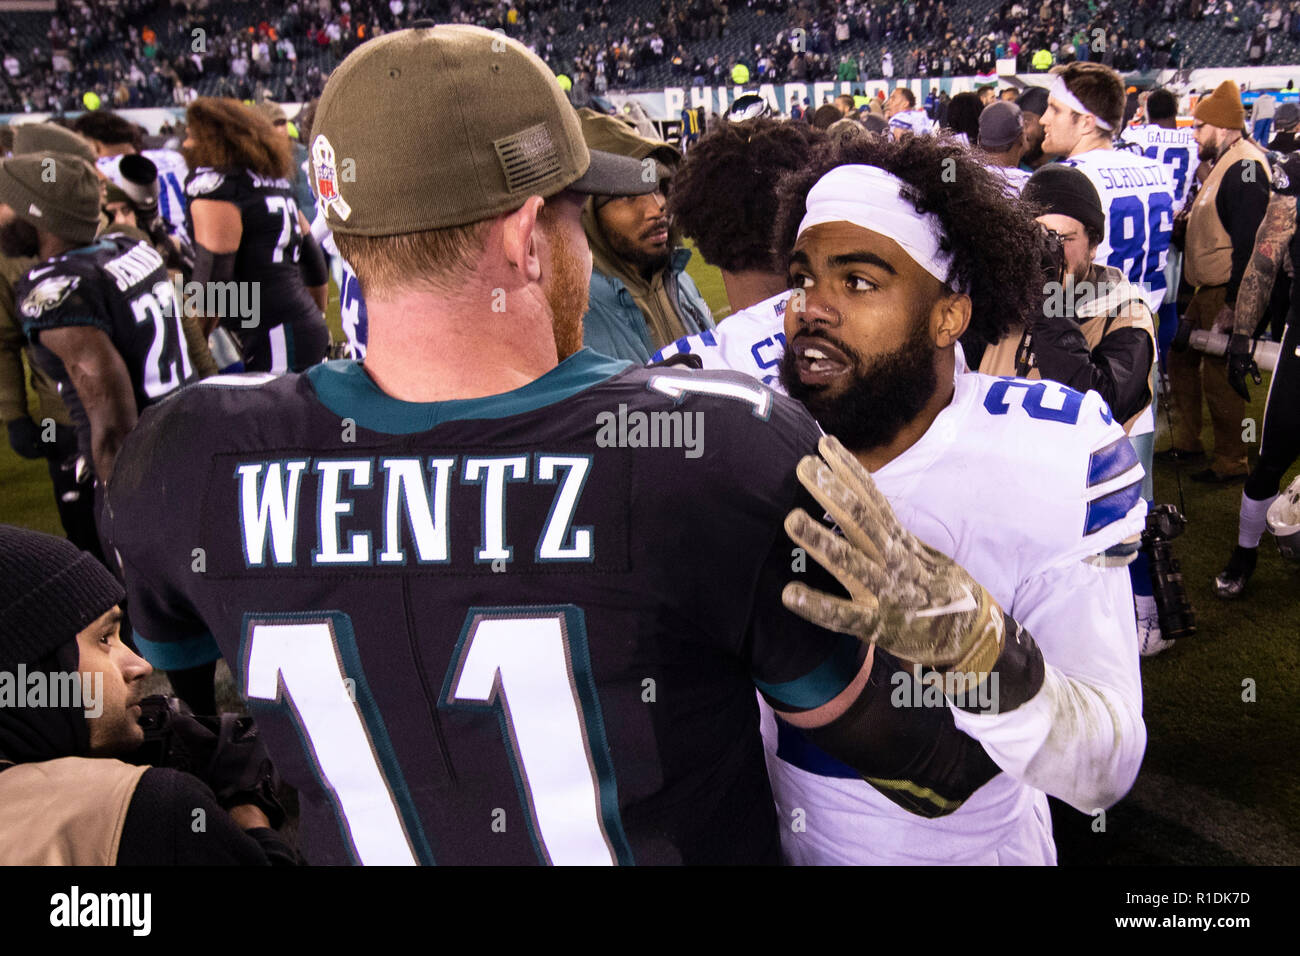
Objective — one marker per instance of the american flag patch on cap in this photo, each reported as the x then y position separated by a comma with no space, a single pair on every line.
528,157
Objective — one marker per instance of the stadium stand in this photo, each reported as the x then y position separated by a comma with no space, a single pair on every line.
154,53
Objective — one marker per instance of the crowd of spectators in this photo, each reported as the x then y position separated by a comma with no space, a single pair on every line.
131,53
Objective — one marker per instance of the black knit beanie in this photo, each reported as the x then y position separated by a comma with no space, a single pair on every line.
49,591
1065,191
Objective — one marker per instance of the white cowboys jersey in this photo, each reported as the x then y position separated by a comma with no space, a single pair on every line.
352,308
1019,482
172,171
750,341
1176,148
1013,176
1137,197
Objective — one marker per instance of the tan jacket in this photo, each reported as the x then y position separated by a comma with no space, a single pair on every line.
1207,258
65,812
1122,308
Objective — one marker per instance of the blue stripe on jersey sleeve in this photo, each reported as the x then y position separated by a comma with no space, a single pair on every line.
823,683
1111,508
178,655
1111,461
707,338
795,749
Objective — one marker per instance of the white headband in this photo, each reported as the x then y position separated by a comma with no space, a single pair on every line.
1062,92
869,197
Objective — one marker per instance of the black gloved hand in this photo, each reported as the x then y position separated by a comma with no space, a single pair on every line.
25,438
224,752
1241,362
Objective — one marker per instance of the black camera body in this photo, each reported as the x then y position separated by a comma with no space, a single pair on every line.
1177,617
225,752
1053,256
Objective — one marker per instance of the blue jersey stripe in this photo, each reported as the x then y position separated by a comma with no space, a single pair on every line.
1111,461
1111,508
795,749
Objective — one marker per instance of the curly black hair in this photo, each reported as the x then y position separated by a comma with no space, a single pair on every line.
964,115
995,243
724,195
109,128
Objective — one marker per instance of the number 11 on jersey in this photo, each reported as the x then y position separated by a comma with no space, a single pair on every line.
530,665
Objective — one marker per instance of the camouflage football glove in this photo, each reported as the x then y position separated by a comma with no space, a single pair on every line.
912,601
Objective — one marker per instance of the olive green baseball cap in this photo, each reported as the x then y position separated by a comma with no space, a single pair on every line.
56,192
443,126
51,138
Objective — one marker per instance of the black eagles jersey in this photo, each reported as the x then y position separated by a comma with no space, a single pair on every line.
267,261
523,628
120,286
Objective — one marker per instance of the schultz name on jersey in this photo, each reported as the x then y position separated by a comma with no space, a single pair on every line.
1137,197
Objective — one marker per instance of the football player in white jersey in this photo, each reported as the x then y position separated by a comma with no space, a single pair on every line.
352,307
1002,143
740,159
1032,486
1163,140
1085,109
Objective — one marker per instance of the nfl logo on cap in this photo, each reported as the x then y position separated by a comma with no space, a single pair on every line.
326,177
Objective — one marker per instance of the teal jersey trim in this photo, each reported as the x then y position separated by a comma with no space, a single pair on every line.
821,684
346,390
93,247
178,655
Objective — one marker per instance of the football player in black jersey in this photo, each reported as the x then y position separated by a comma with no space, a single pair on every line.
247,228
1279,440
491,597
100,314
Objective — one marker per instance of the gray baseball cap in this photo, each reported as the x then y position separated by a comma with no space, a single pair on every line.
1000,125
1287,115
443,126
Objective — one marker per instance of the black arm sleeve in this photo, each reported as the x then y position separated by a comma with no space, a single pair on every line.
162,820
212,266
1118,368
311,260
1240,203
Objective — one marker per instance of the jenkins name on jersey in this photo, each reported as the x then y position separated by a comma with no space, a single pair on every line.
118,285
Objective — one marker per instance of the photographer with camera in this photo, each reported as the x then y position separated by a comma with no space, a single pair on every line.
72,714
1094,332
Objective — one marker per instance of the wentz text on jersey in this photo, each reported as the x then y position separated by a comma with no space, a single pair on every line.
470,631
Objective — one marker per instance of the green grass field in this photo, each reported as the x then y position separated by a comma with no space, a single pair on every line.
1219,784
